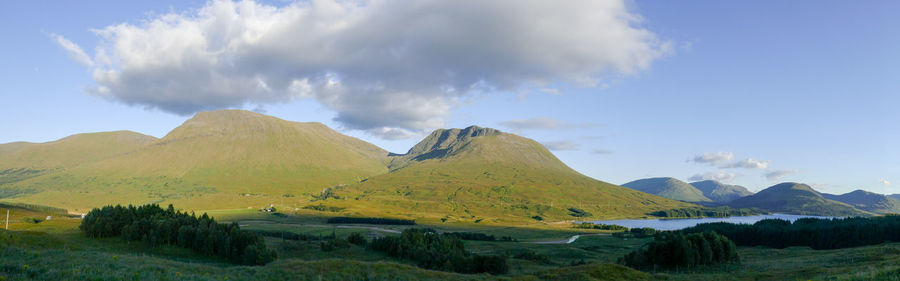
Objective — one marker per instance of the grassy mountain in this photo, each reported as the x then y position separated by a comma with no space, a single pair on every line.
21,161
669,188
70,151
796,198
867,201
476,173
720,192
234,159
218,159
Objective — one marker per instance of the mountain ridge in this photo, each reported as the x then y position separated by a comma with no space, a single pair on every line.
867,201
798,199
668,187
241,159
720,192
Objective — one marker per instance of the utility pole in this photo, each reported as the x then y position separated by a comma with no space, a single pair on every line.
7,219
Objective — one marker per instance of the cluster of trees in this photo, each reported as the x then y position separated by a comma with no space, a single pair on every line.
677,250
433,251
323,208
587,225
642,232
475,236
371,221
156,226
287,235
576,212
810,232
717,212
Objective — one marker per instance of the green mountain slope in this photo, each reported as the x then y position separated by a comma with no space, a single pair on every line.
796,198
868,201
70,151
218,159
669,188
21,161
479,173
720,192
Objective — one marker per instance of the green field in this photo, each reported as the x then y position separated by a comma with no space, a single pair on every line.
56,250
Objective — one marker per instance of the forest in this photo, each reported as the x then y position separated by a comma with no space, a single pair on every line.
676,250
441,252
155,226
811,232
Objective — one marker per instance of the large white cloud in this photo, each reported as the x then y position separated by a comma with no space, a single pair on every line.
380,65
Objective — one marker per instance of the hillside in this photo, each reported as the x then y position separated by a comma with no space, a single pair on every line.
669,188
235,159
70,151
720,192
796,198
479,173
867,201
218,159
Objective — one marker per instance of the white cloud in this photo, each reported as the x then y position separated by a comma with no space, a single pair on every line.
714,158
749,163
717,176
392,133
779,174
601,151
73,50
884,182
543,123
378,64
560,145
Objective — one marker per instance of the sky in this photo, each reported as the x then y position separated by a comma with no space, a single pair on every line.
746,92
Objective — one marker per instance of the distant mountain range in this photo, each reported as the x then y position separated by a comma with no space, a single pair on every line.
239,159
868,201
791,198
719,192
796,198
669,188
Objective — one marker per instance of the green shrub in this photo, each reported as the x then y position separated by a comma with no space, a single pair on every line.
32,220
576,212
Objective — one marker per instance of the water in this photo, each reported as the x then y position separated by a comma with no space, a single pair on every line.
676,224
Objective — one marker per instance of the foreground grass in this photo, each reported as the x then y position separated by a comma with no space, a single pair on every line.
56,250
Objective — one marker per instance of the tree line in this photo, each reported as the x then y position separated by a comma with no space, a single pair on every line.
811,232
156,226
674,250
440,252
371,221
717,212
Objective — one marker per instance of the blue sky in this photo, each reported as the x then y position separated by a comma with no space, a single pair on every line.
802,91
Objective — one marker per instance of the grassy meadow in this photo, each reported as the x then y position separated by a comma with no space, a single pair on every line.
57,250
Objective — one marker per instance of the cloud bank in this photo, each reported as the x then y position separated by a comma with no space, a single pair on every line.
713,158
779,174
388,67
542,123
749,163
716,176
560,145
